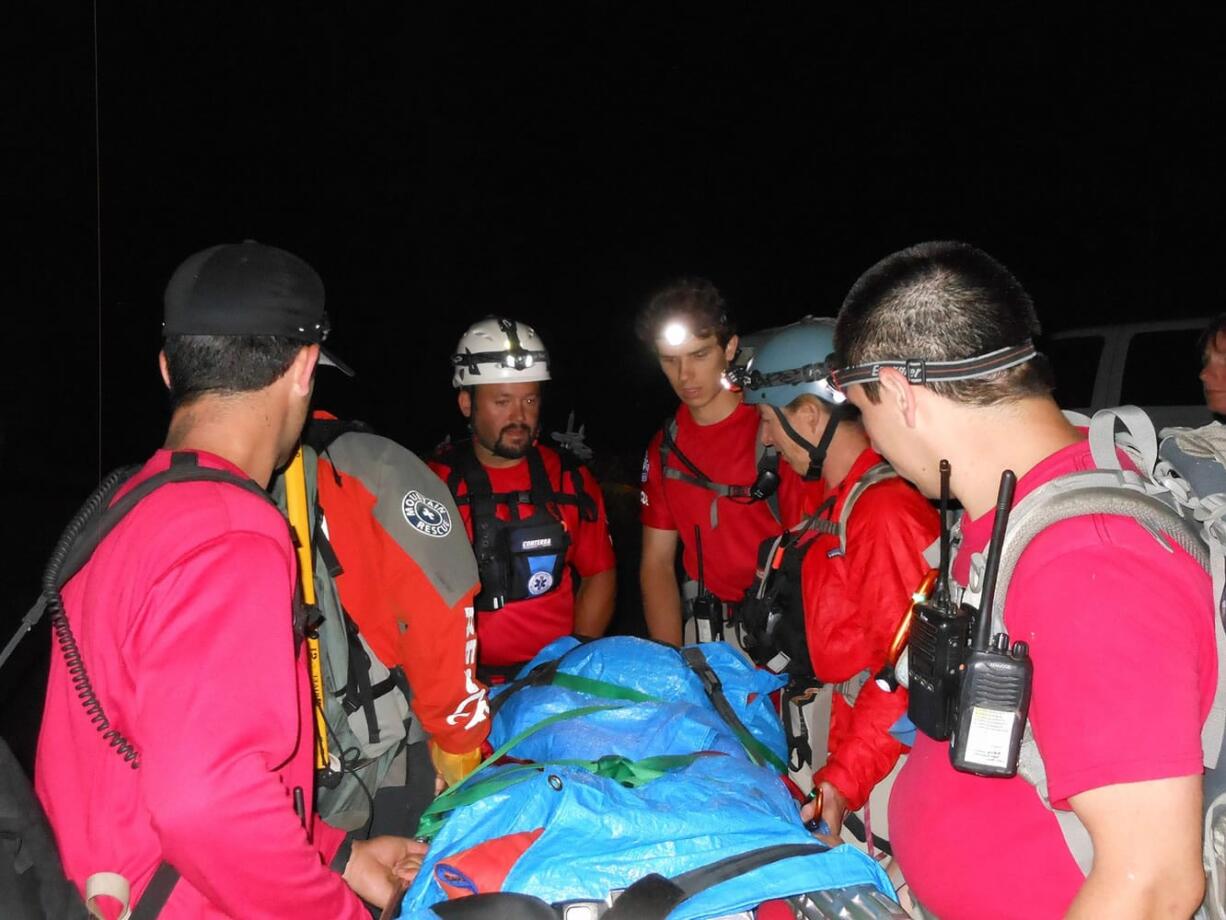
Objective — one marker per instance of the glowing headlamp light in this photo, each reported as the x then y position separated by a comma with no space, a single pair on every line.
675,333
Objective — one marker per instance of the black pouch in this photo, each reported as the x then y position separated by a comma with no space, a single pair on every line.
536,549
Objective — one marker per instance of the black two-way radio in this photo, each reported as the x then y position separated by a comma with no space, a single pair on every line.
707,609
995,696
936,650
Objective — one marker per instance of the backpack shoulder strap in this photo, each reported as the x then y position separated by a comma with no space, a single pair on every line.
874,475
184,467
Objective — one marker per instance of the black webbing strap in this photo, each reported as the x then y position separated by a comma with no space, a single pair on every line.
157,893
574,468
540,676
183,468
693,656
541,492
852,822
358,692
654,897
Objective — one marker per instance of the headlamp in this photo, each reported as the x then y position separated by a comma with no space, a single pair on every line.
818,374
674,333
919,371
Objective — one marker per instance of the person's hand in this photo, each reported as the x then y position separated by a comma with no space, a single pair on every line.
377,866
829,805
453,768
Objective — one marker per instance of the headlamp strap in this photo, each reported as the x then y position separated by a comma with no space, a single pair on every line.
919,371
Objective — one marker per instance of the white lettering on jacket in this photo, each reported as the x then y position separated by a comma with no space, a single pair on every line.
476,693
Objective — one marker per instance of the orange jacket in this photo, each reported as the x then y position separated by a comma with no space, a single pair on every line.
853,604
408,578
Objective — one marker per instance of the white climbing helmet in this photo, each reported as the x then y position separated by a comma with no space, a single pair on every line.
496,349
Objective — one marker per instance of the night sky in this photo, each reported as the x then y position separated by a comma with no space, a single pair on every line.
554,162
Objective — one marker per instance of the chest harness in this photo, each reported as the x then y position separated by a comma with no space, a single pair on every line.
520,557
771,624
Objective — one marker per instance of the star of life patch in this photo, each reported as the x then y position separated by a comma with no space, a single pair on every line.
539,583
425,514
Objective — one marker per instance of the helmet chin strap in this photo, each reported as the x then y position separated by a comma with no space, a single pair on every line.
817,453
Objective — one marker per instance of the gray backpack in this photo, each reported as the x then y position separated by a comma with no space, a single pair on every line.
1178,496
366,705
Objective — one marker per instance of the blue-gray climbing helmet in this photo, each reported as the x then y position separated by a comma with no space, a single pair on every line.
786,363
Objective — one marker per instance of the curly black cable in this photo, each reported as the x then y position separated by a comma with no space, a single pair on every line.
59,620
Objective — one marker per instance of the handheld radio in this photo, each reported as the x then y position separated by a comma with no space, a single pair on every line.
936,650
995,694
708,610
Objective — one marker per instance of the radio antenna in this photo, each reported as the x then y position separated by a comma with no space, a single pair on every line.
941,594
1004,502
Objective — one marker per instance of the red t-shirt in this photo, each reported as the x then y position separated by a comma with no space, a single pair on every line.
522,628
1121,633
726,452
853,604
184,621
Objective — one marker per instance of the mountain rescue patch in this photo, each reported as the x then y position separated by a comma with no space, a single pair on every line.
425,514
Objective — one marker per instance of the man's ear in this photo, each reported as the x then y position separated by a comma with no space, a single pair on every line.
465,401
302,370
808,421
898,393
164,367
731,348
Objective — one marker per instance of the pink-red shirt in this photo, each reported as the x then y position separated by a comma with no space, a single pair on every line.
183,617
1121,635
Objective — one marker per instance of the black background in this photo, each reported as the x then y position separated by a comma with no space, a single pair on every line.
554,161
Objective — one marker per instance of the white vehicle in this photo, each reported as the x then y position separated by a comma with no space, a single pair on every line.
1153,365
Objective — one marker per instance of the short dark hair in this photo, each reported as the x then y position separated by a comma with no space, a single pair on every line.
1216,327
221,364
942,301
696,300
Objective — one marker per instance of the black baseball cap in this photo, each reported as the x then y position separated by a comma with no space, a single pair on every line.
248,288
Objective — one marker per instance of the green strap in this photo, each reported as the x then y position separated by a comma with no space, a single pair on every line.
630,773
758,752
601,688
442,803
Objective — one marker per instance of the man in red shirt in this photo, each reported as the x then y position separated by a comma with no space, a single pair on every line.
937,339
862,557
536,516
699,469
184,623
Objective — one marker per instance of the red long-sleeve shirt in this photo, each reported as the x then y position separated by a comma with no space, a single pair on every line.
183,617
853,605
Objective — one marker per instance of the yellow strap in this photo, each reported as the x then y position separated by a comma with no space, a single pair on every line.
111,885
300,520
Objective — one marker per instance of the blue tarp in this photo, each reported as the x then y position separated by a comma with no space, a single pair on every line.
598,835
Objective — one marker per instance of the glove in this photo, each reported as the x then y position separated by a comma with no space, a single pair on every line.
454,767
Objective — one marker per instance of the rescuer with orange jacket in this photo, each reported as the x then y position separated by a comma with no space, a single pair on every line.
857,560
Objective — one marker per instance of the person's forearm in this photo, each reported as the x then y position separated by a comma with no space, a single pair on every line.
661,603
1121,896
594,603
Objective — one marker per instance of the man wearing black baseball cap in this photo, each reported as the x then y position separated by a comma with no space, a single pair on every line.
184,612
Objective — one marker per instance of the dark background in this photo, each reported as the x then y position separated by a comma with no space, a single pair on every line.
554,161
